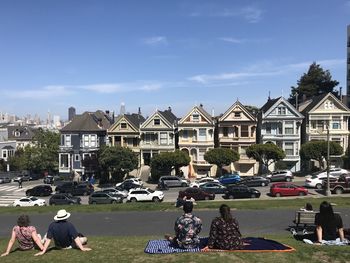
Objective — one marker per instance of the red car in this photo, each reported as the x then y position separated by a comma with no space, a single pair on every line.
287,189
197,194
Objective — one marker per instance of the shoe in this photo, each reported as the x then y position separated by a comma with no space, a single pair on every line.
308,241
292,230
305,232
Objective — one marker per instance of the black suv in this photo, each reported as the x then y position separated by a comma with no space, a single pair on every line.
39,190
75,188
64,199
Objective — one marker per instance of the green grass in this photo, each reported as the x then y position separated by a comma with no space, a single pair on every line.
252,204
130,249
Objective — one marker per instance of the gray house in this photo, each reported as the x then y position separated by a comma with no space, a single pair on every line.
82,138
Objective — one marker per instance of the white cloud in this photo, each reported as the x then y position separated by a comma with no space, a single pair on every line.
251,14
155,41
264,69
234,40
46,92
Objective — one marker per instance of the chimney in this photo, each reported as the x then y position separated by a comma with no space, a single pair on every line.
340,93
139,113
169,108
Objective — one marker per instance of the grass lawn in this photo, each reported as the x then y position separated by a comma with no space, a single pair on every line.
130,249
281,203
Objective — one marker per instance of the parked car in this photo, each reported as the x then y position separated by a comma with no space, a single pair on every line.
172,181
135,181
241,191
64,199
282,175
104,198
316,180
231,178
204,180
22,177
4,180
146,194
75,188
51,179
29,201
253,181
115,191
127,185
332,171
39,190
196,193
213,187
287,189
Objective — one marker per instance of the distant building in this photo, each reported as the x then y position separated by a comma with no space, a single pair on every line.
71,113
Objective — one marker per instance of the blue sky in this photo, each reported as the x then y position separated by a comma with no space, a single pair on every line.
158,53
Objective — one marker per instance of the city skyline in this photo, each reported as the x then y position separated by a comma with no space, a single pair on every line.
99,54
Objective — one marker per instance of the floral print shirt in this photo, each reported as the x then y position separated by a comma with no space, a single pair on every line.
24,236
225,235
187,228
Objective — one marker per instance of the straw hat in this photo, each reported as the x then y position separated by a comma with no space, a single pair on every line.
61,215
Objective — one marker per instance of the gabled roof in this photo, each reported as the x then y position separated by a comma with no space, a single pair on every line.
320,98
24,133
200,109
167,116
89,122
135,119
242,107
273,103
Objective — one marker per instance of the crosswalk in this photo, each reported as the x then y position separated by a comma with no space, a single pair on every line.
9,193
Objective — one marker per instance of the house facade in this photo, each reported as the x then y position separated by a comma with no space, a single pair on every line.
280,123
326,113
125,132
196,137
157,135
82,138
7,147
22,135
236,129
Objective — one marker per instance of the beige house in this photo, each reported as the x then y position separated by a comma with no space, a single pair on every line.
237,131
125,132
196,137
322,113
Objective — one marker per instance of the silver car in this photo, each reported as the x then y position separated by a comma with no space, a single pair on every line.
173,181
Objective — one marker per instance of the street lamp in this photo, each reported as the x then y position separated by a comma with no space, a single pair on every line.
328,192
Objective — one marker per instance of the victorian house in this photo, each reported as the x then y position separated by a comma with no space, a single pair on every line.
157,135
326,113
125,132
280,123
82,138
236,129
196,137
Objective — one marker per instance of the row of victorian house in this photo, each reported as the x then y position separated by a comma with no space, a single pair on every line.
195,133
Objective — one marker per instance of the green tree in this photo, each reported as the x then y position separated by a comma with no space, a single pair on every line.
221,157
116,162
266,154
164,163
41,156
317,150
315,82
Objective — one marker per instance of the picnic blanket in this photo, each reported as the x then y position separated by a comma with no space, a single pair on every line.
255,245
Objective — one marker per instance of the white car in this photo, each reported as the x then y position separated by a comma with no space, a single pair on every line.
316,180
29,201
145,194
332,171
137,181
204,180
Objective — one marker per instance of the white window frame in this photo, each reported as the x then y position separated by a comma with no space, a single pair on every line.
155,122
289,146
68,142
195,117
202,134
163,138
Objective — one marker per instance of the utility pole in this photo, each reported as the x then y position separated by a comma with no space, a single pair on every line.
328,192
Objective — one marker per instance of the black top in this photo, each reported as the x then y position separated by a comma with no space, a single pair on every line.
329,226
63,233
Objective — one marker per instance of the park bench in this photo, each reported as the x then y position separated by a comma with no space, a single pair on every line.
305,218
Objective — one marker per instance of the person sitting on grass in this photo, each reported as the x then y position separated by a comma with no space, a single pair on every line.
187,227
329,225
64,234
307,208
25,234
224,232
